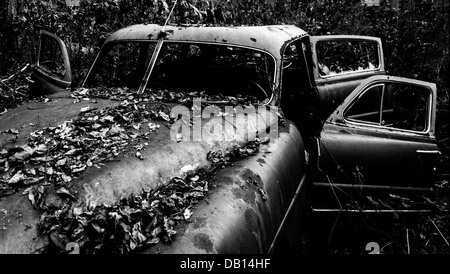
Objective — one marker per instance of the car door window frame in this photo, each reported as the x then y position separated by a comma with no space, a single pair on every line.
67,76
428,119
327,38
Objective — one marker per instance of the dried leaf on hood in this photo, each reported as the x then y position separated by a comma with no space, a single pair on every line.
97,228
72,152
35,195
178,137
153,126
59,240
61,162
18,177
188,168
43,159
41,149
85,109
64,191
164,116
136,126
33,180
155,232
77,210
22,155
139,156
78,168
49,170
187,213
137,234
12,131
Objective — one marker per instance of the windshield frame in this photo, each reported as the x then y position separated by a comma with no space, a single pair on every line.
144,82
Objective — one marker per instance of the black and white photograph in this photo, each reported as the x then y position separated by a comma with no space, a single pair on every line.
264,132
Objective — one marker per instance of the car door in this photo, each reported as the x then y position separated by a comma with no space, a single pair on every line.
339,64
382,135
52,72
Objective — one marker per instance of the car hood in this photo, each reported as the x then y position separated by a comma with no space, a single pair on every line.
133,170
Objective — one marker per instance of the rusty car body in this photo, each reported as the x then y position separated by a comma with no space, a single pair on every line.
338,107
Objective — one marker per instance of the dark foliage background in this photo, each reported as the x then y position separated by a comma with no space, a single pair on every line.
416,45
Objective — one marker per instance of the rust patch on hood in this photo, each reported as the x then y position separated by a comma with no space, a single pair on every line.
203,241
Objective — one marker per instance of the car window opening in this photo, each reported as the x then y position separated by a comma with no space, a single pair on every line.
187,67
399,106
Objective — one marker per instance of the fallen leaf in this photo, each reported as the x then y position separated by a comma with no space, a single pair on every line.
188,168
61,162
41,149
49,170
77,211
64,191
178,137
72,152
24,154
18,177
97,228
139,156
153,126
33,180
84,109
163,115
12,131
187,213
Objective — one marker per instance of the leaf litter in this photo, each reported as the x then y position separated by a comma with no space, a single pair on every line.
54,156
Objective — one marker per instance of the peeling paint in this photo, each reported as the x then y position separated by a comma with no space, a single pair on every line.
261,161
199,222
244,193
203,241
251,220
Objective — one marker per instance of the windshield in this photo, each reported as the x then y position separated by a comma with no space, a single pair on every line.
186,67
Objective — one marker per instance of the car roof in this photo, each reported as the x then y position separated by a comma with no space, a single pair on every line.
270,38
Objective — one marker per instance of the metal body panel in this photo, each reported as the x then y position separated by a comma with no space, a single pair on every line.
235,218
382,159
267,38
379,155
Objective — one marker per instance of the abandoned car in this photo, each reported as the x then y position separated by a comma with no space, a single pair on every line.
201,139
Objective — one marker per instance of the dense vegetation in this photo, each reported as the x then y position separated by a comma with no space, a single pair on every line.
415,41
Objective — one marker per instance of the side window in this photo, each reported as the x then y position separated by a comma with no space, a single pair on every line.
51,58
409,106
393,105
345,56
366,108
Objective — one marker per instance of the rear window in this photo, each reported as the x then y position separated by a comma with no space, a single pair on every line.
346,56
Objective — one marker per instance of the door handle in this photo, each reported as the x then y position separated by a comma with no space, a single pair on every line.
429,152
